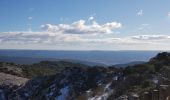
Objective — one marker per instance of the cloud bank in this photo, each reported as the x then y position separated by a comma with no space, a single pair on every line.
54,38
82,34
81,27
151,37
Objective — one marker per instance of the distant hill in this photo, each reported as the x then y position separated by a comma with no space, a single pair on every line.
129,64
31,60
100,57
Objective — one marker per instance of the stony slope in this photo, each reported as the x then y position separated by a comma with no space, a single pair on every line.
12,80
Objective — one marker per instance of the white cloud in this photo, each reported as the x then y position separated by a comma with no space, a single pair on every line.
80,27
144,28
91,18
29,18
59,38
70,35
169,14
140,13
145,24
151,37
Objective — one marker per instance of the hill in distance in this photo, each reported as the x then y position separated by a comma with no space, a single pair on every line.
90,57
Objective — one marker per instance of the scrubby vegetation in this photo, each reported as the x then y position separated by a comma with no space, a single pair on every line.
91,82
44,68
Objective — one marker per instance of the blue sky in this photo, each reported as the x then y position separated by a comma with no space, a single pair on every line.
85,24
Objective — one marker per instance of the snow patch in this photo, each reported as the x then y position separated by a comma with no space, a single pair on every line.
155,81
107,92
115,78
64,93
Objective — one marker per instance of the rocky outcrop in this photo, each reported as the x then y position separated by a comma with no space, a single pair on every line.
11,80
9,84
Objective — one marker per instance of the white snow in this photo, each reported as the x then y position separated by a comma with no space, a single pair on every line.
107,87
88,91
107,92
115,78
155,81
64,93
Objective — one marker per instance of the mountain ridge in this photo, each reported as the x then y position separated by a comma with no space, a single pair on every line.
101,57
76,81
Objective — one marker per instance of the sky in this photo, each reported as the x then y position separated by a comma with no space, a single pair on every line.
85,24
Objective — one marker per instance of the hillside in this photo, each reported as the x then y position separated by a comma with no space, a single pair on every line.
43,68
33,60
147,81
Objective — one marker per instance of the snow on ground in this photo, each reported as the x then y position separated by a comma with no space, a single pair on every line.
115,78
64,93
107,92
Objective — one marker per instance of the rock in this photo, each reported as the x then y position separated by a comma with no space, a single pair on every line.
7,79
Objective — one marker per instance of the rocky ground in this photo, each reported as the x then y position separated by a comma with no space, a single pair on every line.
7,79
10,83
